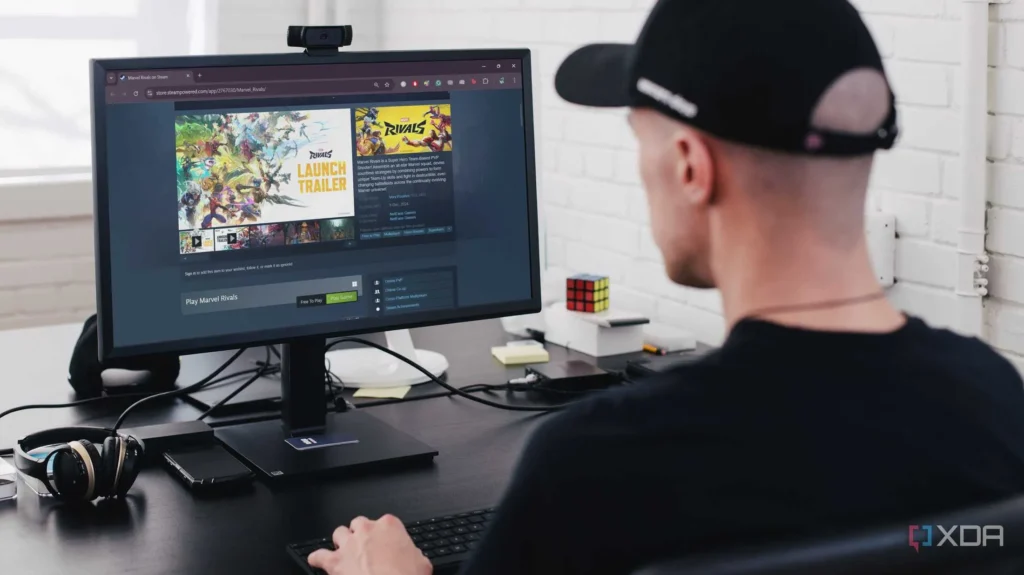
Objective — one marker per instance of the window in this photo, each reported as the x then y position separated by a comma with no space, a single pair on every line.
45,48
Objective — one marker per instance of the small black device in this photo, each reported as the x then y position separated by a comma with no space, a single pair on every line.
208,468
447,541
572,376
81,470
85,372
655,364
320,40
175,436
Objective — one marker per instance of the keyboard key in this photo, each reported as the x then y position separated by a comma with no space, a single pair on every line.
417,539
446,525
476,519
460,530
459,549
456,539
427,545
442,551
472,545
430,536
415,530
441,543
445,533
461,522
489,516
476,527
431,528
463,514
430,554
473,537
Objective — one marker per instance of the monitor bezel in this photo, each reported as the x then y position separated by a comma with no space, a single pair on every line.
104,306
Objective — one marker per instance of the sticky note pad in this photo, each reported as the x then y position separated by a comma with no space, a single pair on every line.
518,355
383,392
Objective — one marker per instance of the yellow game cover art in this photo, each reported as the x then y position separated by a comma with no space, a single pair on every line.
403,129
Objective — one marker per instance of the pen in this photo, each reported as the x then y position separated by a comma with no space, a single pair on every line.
653,349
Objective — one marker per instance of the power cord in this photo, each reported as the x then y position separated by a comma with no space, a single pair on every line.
68,404
451,389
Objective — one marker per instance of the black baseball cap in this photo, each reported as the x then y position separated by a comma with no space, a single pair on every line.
748,71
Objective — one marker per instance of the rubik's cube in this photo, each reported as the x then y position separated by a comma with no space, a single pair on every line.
587,293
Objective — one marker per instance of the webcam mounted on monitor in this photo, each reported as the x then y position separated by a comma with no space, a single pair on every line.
320,40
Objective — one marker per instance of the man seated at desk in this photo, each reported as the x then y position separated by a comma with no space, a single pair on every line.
826,409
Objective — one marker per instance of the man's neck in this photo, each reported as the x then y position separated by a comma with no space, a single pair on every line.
758,276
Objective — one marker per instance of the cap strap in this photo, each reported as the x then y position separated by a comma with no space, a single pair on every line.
829,143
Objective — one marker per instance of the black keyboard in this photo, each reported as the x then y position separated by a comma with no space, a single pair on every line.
447,541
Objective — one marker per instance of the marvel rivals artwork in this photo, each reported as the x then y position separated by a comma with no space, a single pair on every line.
403,129
239,169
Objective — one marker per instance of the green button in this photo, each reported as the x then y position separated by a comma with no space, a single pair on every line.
342,297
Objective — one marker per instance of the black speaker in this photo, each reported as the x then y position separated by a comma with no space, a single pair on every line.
154,373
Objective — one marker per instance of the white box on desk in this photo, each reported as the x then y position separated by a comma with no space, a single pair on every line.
584,333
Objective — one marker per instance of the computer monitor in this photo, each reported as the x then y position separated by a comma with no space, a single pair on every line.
247,200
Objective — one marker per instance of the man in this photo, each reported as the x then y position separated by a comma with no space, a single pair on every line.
826,409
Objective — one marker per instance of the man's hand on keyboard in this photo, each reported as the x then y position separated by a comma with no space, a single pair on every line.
368,547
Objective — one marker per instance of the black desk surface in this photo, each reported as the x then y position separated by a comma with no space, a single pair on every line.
162,528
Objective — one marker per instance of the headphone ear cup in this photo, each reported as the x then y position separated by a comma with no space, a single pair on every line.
107,479
98,469
130,467
70,479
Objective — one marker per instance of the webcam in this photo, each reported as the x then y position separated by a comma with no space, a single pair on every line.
320,40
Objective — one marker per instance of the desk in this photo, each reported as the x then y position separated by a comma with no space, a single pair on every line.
162,528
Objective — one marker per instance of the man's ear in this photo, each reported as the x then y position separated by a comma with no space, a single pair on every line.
695,167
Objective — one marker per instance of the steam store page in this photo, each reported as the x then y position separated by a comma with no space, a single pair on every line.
345,212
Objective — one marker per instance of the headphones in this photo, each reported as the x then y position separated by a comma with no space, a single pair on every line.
85,373
81,471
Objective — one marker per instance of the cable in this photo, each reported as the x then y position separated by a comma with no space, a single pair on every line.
437,380
68,404
265,369
174,393
230,396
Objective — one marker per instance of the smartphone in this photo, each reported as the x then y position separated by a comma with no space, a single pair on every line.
208,468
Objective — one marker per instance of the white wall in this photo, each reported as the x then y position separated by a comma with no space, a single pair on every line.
593,206
46,237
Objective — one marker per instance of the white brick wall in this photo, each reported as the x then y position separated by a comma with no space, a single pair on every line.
46,254
593,207
588,172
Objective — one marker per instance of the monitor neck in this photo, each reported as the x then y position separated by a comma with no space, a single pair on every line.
303,409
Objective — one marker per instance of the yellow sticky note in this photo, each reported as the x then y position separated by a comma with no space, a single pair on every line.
383,392
521,354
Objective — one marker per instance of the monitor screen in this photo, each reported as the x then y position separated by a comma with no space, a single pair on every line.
250,199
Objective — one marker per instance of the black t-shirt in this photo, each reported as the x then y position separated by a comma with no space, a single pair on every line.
780,434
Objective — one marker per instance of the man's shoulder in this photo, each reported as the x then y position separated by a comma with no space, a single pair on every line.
657,405
953,352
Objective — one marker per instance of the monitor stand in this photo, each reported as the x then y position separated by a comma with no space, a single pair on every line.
309,440
369,367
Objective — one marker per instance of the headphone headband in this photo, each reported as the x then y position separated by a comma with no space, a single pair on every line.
36,468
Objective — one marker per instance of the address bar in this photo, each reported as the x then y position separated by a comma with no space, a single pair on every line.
270,89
